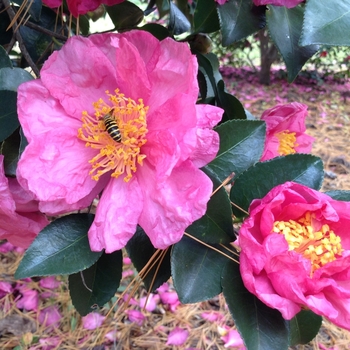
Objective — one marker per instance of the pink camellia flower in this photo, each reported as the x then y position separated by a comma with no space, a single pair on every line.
81,7
286,3
295,252
20,220
285,131
125,122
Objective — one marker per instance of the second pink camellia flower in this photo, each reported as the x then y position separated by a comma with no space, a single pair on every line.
117,114
285,131
295,252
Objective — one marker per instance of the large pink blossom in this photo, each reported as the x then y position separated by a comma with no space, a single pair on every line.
286,3
295,252
151,176
285,131
81,7
20,219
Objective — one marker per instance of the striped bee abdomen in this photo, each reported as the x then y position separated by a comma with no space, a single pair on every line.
112,128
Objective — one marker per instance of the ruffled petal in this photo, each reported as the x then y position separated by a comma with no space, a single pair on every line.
117,215
173,204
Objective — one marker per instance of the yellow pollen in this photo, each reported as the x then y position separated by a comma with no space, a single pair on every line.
320,247
119,158
287,142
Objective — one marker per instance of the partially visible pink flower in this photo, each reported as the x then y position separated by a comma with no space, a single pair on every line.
212,316
136,316
49,282
5,288
20,220
221,2
111,335
92,320
171,299
49,343
81,7
286,3
150,176
295,252
50,316
285,131
29,299
177,336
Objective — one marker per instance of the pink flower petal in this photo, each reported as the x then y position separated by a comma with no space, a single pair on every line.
92,320
49,282
152,301
178,336
233,339
29,300
136,316
50,316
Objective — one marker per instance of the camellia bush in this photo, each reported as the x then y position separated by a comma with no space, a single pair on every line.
129,139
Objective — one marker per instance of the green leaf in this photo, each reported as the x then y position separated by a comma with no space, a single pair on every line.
156,30
11,78
34,6
196,270
125,15
216,225
241,145
339,195
258,180
140,251
285,27
10,150
4,58
326,23
230,104
6,35
206,19
61,248
239,19
304,327
178,23
8,113
261,327
96,285
23,143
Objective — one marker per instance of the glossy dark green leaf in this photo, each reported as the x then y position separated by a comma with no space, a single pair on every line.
61,248
23,142
34,8
156,30
140,251
285,26
241,145
125,15
239,19
206,19
6,35
178,23
84,25
96,285
38,43
304,327
258,180
196,270
4,59
230,104
11,78
326,23
261,327
215,226
339,195
8,113
10,149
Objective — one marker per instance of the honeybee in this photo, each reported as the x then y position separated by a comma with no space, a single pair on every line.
112,128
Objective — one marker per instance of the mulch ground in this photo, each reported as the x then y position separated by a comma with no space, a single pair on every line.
328,122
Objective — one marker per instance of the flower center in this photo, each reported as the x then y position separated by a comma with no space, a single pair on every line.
287,142
320,247
118,131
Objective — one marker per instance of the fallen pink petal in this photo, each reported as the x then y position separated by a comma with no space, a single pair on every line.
29,300
149,303
136,316
233,339
50,316
178,336
49,282
92,320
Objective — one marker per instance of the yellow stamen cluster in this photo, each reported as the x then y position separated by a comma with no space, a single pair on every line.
287,142
115,157
320,247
